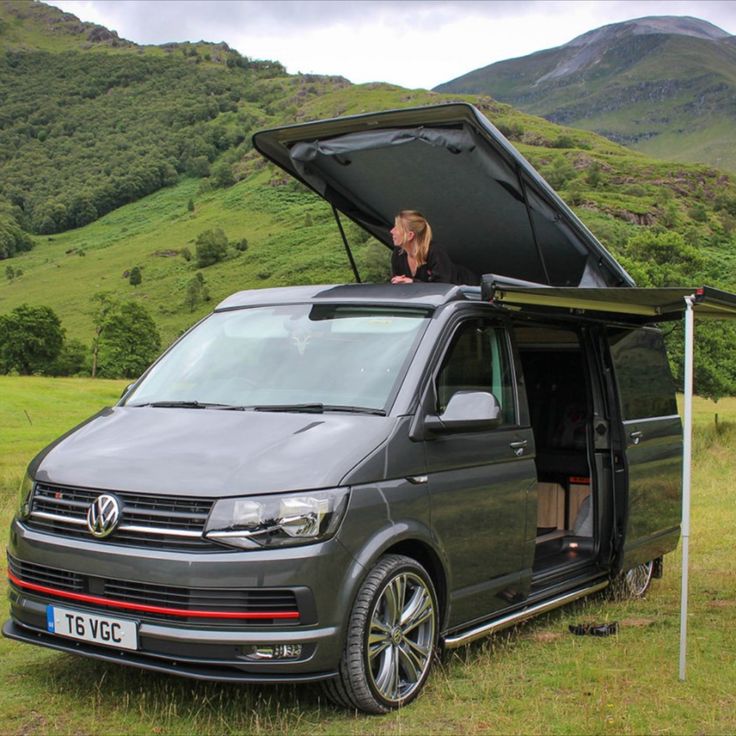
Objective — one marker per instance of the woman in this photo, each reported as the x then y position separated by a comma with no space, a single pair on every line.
416,258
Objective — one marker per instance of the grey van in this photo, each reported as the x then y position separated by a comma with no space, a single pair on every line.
334,482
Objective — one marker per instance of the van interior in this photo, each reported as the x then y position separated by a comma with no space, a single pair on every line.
560,409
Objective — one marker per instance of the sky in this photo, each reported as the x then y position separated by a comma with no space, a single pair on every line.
412,43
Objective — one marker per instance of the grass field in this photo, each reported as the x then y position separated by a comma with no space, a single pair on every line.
536,679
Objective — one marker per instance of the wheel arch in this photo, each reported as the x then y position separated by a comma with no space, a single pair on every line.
430,561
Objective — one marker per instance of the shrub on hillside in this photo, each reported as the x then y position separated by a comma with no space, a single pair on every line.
211,247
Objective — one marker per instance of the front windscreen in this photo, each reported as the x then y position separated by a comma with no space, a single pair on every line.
334,356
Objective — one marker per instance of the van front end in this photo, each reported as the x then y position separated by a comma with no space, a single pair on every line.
178,604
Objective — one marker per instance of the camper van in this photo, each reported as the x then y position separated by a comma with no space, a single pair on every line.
333,483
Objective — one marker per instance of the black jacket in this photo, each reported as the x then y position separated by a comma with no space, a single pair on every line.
438,267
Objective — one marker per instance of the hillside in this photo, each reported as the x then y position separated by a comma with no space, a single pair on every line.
665,86
666,222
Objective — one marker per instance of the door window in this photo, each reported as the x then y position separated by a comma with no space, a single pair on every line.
478,360
643,374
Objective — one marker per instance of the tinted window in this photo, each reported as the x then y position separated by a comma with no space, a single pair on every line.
643,374
478,361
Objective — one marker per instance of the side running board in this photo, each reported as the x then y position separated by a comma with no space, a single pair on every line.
477,632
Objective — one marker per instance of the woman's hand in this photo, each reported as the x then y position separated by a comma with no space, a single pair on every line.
401,280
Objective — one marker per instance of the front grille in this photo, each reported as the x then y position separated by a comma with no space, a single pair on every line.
162,522
243,600
46,576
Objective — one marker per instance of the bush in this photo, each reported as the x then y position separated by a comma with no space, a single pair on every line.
211,247
196,292
71,361
558,172
222,175
242,245
135,277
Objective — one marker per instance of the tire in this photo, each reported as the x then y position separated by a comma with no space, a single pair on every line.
391,638
634,583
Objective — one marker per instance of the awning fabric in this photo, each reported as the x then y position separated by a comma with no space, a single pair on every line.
632,304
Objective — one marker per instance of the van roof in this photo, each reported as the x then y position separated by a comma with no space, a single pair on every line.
417,295
488,207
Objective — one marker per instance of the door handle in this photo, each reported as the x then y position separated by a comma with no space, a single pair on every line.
636,437
518,447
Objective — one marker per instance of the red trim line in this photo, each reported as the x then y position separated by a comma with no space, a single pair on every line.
150,609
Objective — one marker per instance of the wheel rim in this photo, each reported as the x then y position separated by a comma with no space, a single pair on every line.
639,577
401,637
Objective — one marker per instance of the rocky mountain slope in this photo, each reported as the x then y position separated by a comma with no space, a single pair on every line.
662,85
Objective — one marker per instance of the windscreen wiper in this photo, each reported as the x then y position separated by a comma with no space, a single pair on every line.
179,405
315,408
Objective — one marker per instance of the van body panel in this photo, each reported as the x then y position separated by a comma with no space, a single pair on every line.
479,517
212,452
655,488
652,437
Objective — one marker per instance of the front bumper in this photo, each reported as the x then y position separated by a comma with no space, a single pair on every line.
322,577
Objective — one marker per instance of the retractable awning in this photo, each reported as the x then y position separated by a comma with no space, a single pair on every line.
632,304
638,306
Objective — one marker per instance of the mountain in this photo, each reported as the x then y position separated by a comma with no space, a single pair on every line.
662,85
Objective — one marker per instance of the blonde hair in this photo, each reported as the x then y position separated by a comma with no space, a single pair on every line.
412,221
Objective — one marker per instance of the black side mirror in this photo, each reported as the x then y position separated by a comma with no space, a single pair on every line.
466,411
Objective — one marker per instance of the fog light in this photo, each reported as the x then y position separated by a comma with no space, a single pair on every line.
273,651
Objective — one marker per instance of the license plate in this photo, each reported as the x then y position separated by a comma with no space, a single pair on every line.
105,630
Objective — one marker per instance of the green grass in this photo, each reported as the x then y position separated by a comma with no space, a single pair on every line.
537,679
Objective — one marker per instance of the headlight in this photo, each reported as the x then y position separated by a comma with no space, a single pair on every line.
24,492
277,521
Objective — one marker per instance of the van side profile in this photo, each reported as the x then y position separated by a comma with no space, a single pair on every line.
331,483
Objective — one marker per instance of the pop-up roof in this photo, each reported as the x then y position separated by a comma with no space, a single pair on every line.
488,208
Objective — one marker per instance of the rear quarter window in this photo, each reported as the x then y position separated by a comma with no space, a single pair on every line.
645,384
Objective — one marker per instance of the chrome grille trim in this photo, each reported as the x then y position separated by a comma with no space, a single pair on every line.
162,522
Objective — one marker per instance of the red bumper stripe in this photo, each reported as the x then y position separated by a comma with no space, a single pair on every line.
145,608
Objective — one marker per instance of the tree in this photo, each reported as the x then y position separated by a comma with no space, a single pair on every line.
211,247
30,339
128,341
104,303
196,292
135,277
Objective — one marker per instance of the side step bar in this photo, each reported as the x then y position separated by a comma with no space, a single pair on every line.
463,638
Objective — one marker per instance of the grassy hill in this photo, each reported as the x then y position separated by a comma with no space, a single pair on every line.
625,197
292,236
668,90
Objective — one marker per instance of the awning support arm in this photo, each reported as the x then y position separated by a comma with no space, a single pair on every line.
346,244
686,468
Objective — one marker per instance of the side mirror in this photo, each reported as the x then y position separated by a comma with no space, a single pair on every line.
466,411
